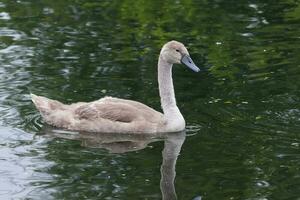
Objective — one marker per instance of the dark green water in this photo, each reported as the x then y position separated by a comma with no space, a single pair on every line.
243,112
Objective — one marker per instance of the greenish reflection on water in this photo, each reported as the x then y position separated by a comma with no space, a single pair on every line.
242,113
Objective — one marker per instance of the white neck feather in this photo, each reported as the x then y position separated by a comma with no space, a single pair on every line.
167,97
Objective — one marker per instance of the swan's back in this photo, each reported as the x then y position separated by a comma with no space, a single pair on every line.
105,115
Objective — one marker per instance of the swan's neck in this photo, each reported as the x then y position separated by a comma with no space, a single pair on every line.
167,96
170,154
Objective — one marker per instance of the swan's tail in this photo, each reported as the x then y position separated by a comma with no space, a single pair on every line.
53,112
45,105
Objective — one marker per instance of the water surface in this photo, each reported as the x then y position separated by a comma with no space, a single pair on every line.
242,112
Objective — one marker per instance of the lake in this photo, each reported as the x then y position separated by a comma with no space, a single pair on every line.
242,111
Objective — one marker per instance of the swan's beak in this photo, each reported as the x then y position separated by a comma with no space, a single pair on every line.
186,59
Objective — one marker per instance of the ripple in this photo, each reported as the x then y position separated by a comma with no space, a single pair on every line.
34,121
18,162
4,16
16,35
247,34
48,11
262,183
193,129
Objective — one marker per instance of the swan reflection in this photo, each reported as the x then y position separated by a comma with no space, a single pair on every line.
121,143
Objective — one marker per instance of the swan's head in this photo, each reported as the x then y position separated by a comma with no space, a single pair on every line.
176,53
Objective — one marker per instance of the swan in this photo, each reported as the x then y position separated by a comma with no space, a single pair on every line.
112,115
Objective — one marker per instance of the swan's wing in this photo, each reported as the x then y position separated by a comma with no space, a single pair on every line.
109,110
86,112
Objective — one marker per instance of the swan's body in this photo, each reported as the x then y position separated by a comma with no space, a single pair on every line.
119,115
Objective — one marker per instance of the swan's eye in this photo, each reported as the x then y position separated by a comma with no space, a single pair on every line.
177,50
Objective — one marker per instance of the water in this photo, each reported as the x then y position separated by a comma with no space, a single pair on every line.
243,112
